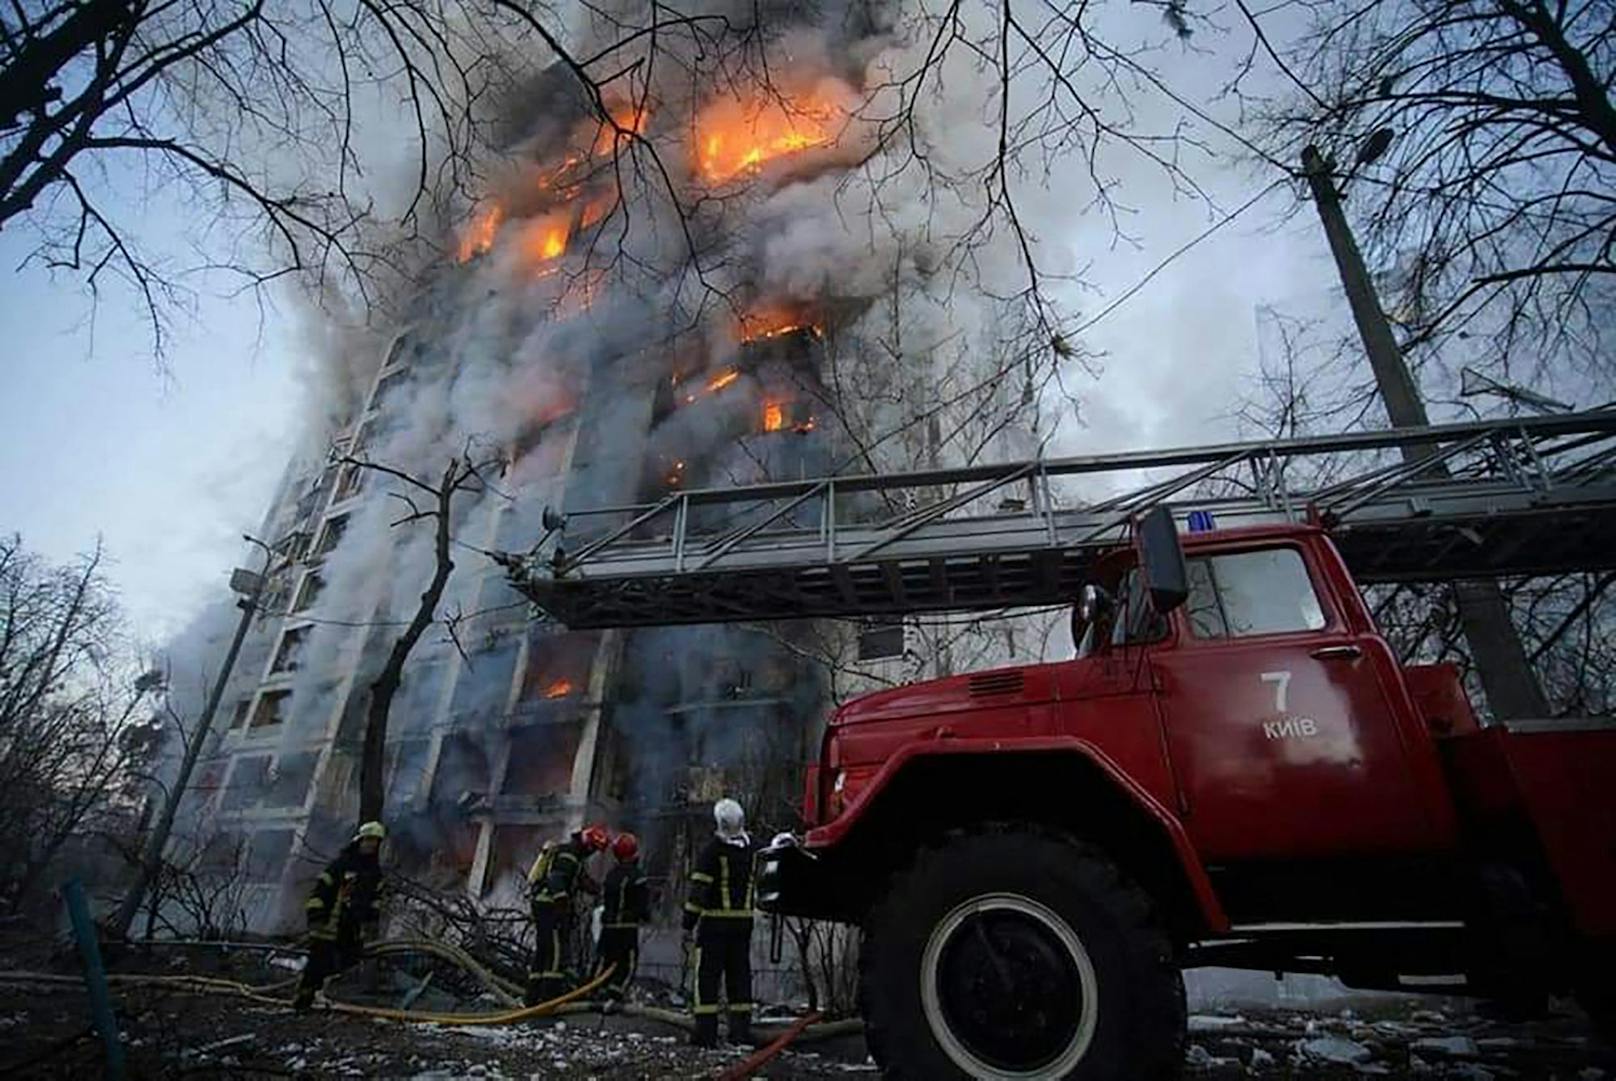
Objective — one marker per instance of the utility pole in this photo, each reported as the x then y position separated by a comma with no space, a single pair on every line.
1500,660
250,587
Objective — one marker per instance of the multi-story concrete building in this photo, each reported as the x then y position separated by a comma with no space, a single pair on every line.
575,392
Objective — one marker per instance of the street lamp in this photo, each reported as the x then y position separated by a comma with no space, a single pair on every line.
249,587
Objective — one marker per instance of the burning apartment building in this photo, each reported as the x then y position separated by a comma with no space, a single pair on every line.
600,333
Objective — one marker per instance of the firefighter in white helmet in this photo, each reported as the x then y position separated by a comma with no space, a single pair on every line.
344,910
718,914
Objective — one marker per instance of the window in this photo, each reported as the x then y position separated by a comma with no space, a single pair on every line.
1246,593
291,648
240,717
272,708
334,529
880,639
1135,620
308,591
247,783
349,482
267,851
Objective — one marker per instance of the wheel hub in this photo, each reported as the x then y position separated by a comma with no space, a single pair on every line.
1009,989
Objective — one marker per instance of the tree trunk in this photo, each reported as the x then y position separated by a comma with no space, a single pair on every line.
372,762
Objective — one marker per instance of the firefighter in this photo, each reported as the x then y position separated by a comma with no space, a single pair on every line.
343,911
556,876
623,900
718,916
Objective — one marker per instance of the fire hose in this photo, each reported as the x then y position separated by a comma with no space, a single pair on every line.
263,993
496,985
753,1062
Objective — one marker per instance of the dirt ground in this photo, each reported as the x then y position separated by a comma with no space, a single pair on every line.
170,1033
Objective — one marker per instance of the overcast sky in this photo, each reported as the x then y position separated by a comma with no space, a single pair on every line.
171,469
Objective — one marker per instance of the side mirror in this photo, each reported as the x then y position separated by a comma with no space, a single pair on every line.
1161,558
1094,603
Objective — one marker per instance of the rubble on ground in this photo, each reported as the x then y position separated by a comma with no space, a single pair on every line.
173,1032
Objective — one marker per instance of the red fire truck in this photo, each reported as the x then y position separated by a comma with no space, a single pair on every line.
1234,770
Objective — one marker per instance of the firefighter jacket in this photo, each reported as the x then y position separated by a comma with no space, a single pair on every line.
346,896
559,871
623,896
721,883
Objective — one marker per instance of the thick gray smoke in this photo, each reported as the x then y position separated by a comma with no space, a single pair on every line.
752,278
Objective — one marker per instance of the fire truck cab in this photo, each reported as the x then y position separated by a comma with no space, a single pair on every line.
1233,770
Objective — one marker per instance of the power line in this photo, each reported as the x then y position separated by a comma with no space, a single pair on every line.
1165,263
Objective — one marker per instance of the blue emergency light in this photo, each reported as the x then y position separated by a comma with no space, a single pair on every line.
1200,521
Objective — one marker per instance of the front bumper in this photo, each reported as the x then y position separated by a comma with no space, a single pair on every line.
797,881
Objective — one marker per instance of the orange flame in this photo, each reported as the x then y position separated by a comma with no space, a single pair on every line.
774,416
735,138
772,320
722,380
546,237
559,689
627,120
479,234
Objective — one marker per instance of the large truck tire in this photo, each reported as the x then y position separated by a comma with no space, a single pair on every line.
1009,952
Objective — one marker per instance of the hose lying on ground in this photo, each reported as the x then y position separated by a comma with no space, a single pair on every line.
753,1062
259,994
506,991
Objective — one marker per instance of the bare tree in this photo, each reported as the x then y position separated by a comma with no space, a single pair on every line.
68,696
1478,141
426,501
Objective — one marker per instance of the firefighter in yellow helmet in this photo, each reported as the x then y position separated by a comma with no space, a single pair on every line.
344,909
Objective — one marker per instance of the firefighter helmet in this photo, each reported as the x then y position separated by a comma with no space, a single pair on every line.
729,817
371,830
626,847
595,838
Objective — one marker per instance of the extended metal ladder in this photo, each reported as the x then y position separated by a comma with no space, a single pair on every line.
1517,497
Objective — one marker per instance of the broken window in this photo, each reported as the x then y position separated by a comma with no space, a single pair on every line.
880,639
331,536
540,762
248,782
463,776
291,649
407,764
289,781
308,591
239,717
483,687
557,665
349,481
513,852
267,851
221,854
271,709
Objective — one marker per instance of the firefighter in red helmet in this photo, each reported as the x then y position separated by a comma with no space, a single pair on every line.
556,876
624,903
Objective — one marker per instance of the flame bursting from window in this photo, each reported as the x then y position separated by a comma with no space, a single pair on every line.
774,416
546,238
628,122
479,234
559,689
772,320
735,138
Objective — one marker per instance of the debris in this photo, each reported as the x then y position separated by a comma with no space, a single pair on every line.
220,1045
1336,1049
1452,1046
